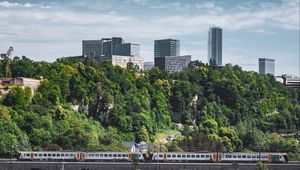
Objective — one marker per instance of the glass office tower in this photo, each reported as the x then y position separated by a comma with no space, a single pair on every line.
215,46
266,66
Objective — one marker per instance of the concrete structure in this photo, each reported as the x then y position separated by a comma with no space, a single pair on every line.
172,63
105,48
266,66
123,61
166,47
92,48
8,83
128,49
215,46
148,66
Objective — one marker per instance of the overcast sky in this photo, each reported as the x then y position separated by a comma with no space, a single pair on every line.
47,30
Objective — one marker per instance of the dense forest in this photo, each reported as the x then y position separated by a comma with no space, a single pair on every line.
221,108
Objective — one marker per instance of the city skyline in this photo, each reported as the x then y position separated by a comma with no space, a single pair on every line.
251,29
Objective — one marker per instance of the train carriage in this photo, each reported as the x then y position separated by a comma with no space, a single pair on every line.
112,156
48,155
184,157
253,157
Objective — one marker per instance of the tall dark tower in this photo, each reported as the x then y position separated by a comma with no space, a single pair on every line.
215,46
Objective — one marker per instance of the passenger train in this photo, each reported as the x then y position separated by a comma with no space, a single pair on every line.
154,157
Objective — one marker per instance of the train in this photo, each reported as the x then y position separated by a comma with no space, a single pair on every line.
153,157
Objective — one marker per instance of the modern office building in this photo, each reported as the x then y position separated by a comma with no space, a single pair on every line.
172,63
92,48
266,66
105,48
215,46
128,49
148,65
166,47
109,46
123,61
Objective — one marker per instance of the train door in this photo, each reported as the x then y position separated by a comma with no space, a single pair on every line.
165,157
82,156
219,157
77,157
214,157
31,156
129,157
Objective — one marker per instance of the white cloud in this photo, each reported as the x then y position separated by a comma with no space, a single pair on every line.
6,4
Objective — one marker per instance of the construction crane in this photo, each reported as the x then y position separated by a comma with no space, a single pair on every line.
6,58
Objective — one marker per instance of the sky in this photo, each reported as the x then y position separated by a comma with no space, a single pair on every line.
252,29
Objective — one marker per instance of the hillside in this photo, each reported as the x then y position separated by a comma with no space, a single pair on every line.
224,109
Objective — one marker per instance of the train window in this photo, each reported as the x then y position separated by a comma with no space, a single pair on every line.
239,156
193,156
109,155
97,154
197,156
244,156
53,154
257,156
248,156
119,155
35,154
202,156
234,156
45,154
105,155
253,156
57,155
40,154
207,156
228,156
160,156
28,154
114,155
67,154
126,155
123,155
101,155
169,156
188,156
173,156
62,154
183,156
49,154
179,156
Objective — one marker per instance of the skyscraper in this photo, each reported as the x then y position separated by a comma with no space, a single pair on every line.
266,66
166,47
215,46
